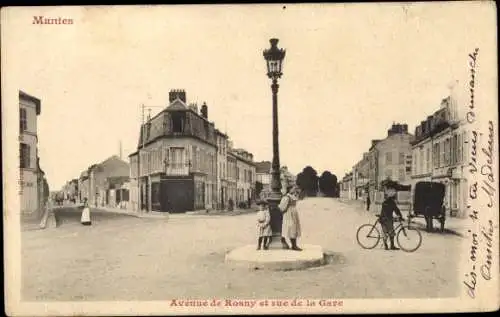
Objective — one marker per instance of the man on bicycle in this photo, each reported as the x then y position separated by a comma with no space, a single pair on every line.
386,220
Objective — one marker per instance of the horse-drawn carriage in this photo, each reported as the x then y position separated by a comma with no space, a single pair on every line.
426,201
428,198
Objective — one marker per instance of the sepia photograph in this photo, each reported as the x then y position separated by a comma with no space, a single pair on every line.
249,159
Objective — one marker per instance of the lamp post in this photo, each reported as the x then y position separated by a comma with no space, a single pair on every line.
274,59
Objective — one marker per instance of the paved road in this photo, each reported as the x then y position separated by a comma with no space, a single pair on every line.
128,258
71,216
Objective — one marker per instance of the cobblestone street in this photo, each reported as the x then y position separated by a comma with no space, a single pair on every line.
129,258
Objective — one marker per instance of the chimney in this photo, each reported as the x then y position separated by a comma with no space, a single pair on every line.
177,94
428,125
423,127
194,107
204,110
431,123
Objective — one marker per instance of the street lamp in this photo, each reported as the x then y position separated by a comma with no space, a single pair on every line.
274,59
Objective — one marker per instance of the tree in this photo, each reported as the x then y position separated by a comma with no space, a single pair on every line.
328,184
308,181
258,189
336,186
300,182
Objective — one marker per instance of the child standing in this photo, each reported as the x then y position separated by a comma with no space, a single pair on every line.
263,226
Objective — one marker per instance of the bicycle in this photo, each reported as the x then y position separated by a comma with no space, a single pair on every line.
408,238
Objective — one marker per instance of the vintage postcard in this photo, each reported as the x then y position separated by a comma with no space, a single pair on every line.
250,159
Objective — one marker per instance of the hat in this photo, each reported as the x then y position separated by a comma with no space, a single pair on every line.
262,202
390,184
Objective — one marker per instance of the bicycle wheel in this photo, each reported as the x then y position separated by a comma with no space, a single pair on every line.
409,239
368,236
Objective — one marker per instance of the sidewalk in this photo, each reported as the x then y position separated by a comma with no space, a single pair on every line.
142,214
166,215
235,212
452,225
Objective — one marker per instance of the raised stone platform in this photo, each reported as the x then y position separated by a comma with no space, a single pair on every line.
278,260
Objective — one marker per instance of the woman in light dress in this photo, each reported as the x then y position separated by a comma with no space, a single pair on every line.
291,222
85,219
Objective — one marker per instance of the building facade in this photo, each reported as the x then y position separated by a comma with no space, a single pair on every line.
182,162
222,181
32,178
287,178
347,188
361,172
245,177
390,158
440,155
70,190
263,176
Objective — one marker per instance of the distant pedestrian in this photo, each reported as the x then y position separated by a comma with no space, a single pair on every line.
291,223
368,201
85,219
389,207
263,226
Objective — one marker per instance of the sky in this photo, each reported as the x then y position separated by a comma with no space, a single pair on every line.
350,71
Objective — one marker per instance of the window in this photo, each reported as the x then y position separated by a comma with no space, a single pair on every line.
459,148
446,145
178,122
422,160
23,123
465,148
388,173
402,157
388,158
441,154
176,157
413,163
24,155
401,174
428,160
435,154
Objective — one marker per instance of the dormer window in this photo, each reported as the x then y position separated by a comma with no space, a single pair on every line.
178,119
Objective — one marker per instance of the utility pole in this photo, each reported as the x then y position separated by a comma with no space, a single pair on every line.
141,144
121,151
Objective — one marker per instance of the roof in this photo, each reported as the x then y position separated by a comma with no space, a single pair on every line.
263,167
241,158
221,133
117,180
177,104
36,101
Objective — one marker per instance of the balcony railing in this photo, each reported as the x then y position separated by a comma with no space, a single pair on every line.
177,169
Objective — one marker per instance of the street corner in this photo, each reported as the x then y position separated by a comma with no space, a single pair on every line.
276,260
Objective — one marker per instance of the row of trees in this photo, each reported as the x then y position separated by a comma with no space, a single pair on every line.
311,184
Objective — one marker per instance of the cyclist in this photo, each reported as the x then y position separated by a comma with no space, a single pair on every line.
388,208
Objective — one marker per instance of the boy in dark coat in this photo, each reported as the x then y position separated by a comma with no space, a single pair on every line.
386,216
